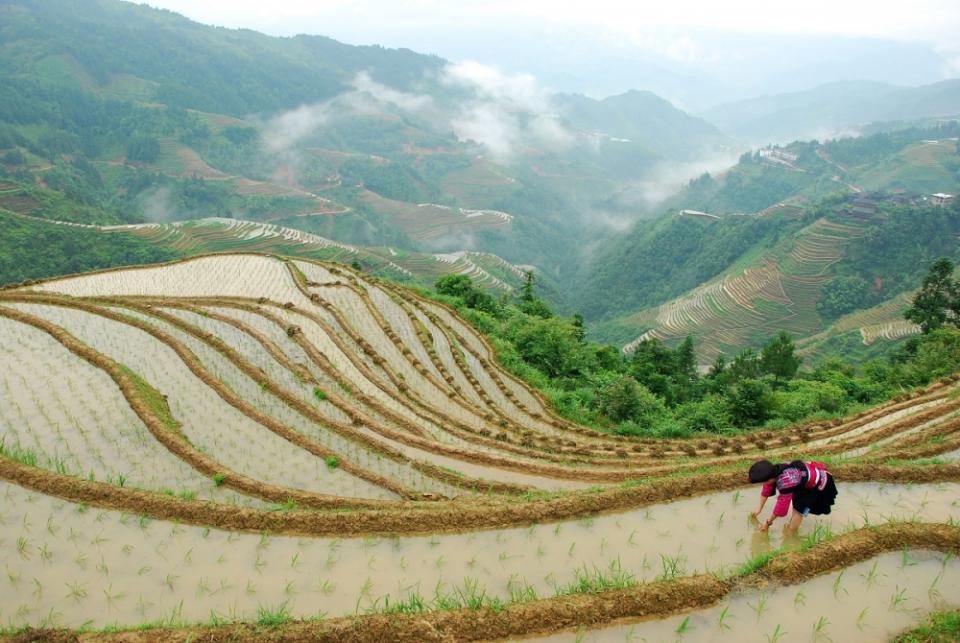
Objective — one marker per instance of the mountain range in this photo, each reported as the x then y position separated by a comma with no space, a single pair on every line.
130,122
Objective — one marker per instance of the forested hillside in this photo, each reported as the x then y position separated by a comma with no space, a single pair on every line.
658,260
838,283
123,113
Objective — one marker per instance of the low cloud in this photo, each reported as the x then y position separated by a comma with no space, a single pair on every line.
283,132
504,111
667,178
363,84
157,205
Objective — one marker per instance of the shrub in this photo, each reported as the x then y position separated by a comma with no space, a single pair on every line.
219,478
752,402
709,415
332,462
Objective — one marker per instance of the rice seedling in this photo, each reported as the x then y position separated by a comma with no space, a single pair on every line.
760,606
837,582
672,566
819,629
871,576
724,617
24,548
776,635
898,599
905,559
273,616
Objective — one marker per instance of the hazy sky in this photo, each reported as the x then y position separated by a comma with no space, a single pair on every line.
696,53
934,22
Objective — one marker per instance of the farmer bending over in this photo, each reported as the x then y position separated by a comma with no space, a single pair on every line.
807,484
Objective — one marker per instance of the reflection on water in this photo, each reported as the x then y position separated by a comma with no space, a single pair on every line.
127,570
866,602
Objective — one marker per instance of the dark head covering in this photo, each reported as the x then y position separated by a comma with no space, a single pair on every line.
763,470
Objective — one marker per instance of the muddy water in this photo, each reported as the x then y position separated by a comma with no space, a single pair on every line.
951,456
869,601
879,423
128,572
853,453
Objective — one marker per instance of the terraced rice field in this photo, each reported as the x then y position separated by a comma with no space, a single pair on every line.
884,322
234,446
436,224
747,306
213,234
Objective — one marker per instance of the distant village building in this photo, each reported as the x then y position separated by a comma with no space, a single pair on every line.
865,206
686,212
778,155
941,200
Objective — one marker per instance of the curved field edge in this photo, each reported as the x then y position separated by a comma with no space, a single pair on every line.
655,600
149,406
427,518
802,432
497,371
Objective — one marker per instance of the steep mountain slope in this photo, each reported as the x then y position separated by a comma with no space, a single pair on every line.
832,109
805,280
655,261
640,117
137,114
36,248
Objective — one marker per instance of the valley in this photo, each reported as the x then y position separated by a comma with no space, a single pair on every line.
304,337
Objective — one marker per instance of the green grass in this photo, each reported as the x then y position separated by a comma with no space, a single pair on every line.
273,617
941,627
756,563
155,400
598,580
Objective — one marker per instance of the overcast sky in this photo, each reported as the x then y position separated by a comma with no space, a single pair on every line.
693,52
935,22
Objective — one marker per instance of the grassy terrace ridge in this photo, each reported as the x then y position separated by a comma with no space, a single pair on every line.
316,414
940,627
468,613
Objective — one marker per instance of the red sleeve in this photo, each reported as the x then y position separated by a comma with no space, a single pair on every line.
767,490
783,504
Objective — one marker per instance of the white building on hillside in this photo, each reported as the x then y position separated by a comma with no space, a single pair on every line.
941,200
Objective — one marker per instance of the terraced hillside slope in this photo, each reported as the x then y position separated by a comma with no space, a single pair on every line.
779,290
838,283
362,144
747,216
212,234
236,442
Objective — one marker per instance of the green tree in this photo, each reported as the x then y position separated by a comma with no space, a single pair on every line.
745,365
751,402
526,290
530,304
620,400
549,345
777,357
145,149
938,300
461,286
841,295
